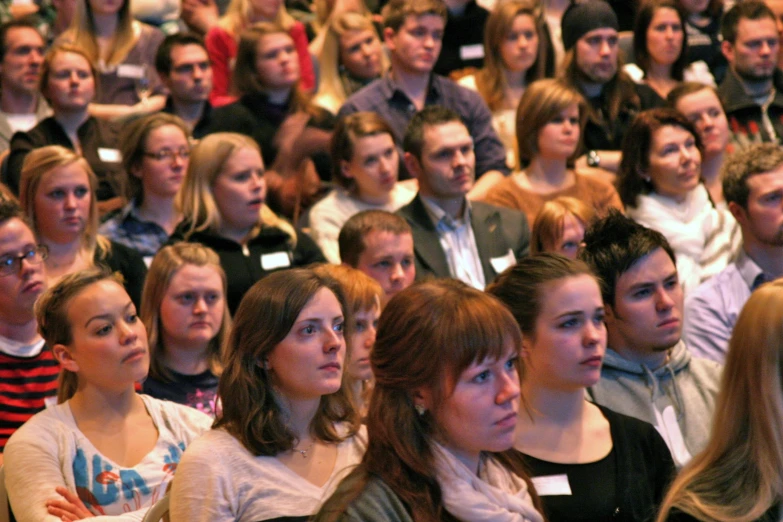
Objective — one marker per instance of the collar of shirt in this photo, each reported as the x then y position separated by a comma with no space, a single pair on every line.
442,221
750,272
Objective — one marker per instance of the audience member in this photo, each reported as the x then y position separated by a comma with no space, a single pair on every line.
777,7
517,52
123,52
648,371
275,112
184,68
550,121
751,91
379,244
104,450
702,24
587,462
453,237
184,310
68,83
58,197
223,198
363,297
413,33
560,226
28,368
21,57
287,430
660,185
325,12
222,39
155,154
660,46
364,168
463,37
701,105
753,181
738,475
592,66
444,407
552,11
351,58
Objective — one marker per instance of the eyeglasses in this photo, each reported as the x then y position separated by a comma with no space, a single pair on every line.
168,154
11,264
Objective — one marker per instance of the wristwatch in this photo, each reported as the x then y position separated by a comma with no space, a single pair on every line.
593,159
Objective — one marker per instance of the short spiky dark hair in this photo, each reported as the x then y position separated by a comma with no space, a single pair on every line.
612,246
748,10
163,54
757,158
413,142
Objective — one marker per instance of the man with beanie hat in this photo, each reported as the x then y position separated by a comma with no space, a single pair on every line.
592,66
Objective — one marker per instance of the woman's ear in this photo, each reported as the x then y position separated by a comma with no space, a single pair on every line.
642,174
345,169
422,399
63,355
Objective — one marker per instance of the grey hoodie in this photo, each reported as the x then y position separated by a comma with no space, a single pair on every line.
678,398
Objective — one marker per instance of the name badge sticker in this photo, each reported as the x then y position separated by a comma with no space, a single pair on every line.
551,485
275,260
503,262
471,52
129,70
109,155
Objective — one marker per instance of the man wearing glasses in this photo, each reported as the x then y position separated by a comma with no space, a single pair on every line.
28,371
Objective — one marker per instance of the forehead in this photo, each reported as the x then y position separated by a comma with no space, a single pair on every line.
669,133
748,29
273,41
244,157
430,21
381,243
349,38
698,101
69,59
601,32
22,36
449,134
766,181
189,276
571,292
65,175
187,53
97,298
367,145
655,266
14,233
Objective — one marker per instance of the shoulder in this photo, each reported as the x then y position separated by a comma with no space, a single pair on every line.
510,215
628,430
377,502
42,429
179,418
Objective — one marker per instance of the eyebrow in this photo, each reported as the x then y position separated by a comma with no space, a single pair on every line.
107,316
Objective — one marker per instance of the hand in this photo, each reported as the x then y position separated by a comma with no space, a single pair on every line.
69,508
288,134
199,15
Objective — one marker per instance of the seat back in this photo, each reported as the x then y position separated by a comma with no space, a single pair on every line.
158,511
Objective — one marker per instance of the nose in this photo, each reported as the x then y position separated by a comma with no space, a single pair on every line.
686,153
257,181
664,301
369,341
765,48
606,48
429,41
593,333
333,340
127,332
197,72
366,49
397,273
508,385
200,306
707,121
70,200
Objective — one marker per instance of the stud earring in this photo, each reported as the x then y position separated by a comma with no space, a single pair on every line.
420,409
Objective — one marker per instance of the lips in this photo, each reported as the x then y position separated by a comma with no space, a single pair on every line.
509,421
331,367
595,360
33,286
667,323
134,355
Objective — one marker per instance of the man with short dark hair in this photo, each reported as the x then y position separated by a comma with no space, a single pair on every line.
753,188
184,68
413,33
21,57
648,372
28,370
752,91
380,244
453,237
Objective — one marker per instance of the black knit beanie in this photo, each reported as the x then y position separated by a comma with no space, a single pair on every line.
581,18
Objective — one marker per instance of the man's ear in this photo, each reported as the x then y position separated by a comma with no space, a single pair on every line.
739,213
413,165
727,48
63,356
345,169
388,38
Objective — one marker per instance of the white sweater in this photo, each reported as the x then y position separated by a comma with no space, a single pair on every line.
49,450
219,480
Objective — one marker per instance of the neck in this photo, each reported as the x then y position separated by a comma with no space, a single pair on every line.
90,403
591,90
515,79
553,406
652,359
555,6
278,96
160,210
553,172
18,102
106,25
454,207
240,236
756,89
190,112
659,71
25,332
187,360
768,258
379,200
413,84
300,414
62,252
70,121
456,7
710,173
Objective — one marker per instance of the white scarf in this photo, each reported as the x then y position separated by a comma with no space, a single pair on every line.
497,496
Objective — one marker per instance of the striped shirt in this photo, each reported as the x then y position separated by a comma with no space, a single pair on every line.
25,385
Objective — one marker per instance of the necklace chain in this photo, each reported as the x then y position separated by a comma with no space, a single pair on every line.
303,452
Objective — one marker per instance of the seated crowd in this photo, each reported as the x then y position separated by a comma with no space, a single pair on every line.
403,260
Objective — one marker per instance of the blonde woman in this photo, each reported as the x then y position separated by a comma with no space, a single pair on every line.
517,52
560,226
184,310
222,39
550,121
57,194
351,57
739,474
224,199
104,451
122,49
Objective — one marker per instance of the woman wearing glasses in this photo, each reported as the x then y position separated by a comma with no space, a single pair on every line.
155,154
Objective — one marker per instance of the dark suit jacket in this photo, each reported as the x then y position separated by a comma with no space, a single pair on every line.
496,230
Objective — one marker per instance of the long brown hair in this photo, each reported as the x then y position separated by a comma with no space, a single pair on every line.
414,349
739,475
251,413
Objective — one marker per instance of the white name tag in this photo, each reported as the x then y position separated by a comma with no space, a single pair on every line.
276,260
503,262
50,401
552,485
129,70
471,52
109,155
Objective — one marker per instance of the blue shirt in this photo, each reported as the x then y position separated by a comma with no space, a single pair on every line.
711,310
387,100
127,228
